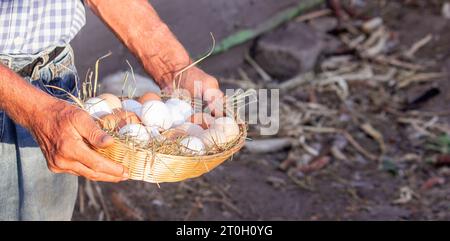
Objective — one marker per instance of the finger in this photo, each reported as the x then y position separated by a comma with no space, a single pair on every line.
91,174
71,172
89,130
57,170
219,106
215,100
78,169
98,163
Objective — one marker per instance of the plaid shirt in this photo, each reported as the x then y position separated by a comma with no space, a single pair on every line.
30,26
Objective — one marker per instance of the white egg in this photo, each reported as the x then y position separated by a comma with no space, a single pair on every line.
192,129
132,106
192,145
227,126
136,132
177,117
213,138
182,106
155,113
97,107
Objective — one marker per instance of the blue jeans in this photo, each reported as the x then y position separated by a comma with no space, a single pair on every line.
28,190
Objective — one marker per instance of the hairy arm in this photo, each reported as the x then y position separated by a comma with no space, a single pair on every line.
60,129
139,27
20,100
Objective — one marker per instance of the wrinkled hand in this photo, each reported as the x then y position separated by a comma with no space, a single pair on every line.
62,131
202,85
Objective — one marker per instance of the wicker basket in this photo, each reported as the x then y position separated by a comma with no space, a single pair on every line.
144,165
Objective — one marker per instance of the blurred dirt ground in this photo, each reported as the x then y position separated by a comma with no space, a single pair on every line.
410,181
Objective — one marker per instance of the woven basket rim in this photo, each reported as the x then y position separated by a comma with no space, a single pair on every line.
239,144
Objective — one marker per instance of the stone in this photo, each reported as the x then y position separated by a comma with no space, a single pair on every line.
113,84
288,51
325,24
268,145
446,10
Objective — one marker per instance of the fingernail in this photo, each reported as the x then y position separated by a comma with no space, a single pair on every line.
126,175
106,138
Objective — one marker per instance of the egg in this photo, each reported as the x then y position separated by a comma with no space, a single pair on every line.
174,134
213,138
181,106
132,106
97,107
136,132
126,117
110,121
228,127
112,100
155,113
191,129
177,117
148,96
202,119
192,145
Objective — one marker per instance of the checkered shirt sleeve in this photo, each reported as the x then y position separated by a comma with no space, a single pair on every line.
29,26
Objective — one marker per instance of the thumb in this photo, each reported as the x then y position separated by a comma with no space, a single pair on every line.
99,138
96,136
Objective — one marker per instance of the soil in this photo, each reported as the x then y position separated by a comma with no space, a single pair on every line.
251,186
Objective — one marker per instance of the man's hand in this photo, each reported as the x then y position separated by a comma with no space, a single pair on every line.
202,85
63,132
60,129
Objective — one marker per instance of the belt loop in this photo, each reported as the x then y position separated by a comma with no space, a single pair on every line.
37,67
8,61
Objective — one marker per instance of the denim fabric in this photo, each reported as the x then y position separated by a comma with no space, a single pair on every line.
28,190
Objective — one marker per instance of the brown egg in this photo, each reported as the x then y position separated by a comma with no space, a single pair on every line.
148,96
109,122
173,134
112,100
126,117
228,127
191,129
202,119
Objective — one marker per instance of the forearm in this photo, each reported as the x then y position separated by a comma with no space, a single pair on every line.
139,27
19,99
